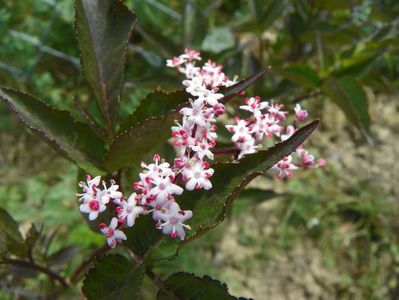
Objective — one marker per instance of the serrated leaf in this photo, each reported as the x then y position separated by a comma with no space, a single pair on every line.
113,277
103,29
10,237
148,133
74,140
302,75
184,285
209,207
155,104
129,147
348,94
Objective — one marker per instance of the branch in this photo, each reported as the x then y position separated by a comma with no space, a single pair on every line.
158,282
223,151
51,274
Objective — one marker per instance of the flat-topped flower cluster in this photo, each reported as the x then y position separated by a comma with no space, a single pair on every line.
194,138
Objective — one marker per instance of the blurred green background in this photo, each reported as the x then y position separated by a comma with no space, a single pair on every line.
324,234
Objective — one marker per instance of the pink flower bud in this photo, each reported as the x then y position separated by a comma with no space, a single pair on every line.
219,109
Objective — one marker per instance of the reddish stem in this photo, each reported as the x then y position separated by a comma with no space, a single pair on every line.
223,151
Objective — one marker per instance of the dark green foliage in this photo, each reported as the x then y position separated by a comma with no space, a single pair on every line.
103,30
188,286
10,238
113,277
73,139
348,94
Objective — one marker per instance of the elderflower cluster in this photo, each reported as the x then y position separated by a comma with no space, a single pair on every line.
265,123
160,182
194,138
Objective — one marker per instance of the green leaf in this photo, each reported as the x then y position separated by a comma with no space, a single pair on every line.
73,139
103,29
209,207
113,277
357,66
302,75
10,237
188,286
348,94
151,123
130,146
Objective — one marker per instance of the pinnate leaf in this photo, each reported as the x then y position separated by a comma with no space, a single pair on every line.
103,29
113,277
73,139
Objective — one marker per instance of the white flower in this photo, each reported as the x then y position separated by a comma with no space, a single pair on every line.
300,114
284,167
92,207
197,176
202,149
129,210
89,188
247,147
290,130
175,62
210,97
164,188
156,168
198,113
242,131
111,233
274,110
171,220
254,105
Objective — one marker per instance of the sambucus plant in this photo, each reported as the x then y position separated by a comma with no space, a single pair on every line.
103,145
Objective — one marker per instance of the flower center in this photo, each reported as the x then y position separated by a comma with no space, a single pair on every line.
173,220
94,205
